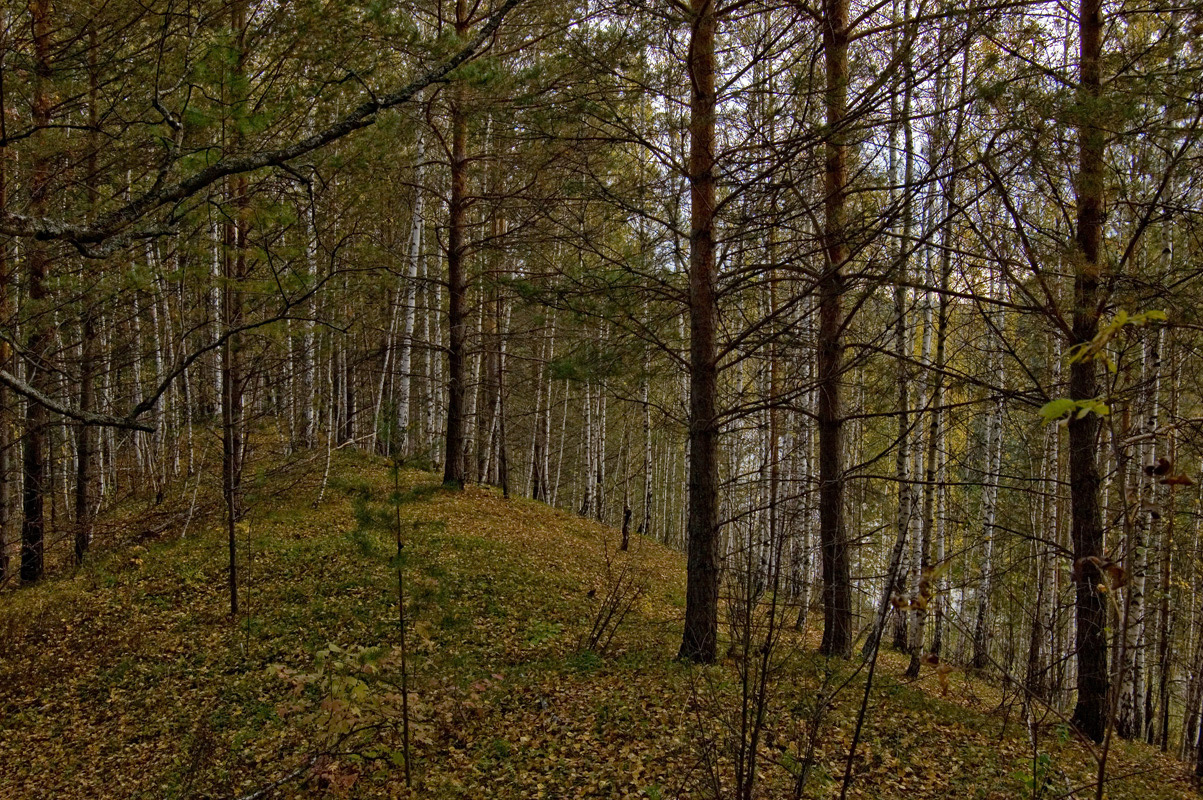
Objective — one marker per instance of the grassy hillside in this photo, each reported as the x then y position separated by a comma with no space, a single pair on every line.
128,680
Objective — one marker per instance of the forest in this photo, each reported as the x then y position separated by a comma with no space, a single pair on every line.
842,352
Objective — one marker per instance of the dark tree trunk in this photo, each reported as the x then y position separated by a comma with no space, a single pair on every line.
457,280
837,594
85,457
1090,714
503,458
701,595
85,466
6,415
234,267
33,522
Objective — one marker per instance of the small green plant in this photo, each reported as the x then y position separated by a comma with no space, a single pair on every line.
584,661
541,631
354,706
1036,782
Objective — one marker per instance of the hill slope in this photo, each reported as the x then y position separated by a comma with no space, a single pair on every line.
128,679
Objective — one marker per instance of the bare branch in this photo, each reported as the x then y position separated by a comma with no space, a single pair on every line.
86,417
121,219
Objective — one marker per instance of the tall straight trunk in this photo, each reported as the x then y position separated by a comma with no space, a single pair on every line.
921,590
555,486
941,585
486,384
599,491
159,417
645,524
234,269
549,404
33,523
1165,625
213,298
895,582
589,439
405,358
502,452
1131,714
1090,712
775,541
85,455
474,389
386,444
1042,652
804,470
537,482
140,438
432,333
307,391
454,465
993,470
348,382
7,417
702,527
833,540
541,436
934,489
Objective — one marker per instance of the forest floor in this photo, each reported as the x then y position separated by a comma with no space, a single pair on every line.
127,678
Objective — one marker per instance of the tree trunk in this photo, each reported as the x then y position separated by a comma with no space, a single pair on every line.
85,456
405,358
702,529
33,523
454,469
7,417
1090,713
234,269
837,589
981,627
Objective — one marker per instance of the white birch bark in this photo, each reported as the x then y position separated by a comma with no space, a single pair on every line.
981,628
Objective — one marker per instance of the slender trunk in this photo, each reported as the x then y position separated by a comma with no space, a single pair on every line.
309,364
1090,713
1164,615
702,531
903,351
922,591
7,417
981,628
405,358
1131,715
837,589
587,498
234,266
33,523
85,463
645,525
454,470
599,493
541,445
503,459
1041,647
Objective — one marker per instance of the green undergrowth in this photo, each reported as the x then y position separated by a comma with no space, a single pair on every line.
129,679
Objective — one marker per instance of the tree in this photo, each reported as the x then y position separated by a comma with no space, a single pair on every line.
1090,713
702,533
837,589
